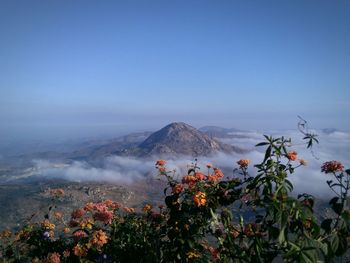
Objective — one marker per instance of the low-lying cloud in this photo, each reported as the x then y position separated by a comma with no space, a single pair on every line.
125,170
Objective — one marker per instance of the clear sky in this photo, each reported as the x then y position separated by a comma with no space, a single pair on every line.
243,64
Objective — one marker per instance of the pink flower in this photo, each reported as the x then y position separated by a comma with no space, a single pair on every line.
78,213
77,235
332,167
100,207
104,216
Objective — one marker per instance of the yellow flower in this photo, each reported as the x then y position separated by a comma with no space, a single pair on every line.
47,225
86,223
200,199
193,254
147,208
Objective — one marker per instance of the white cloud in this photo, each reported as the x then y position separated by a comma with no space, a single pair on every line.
125,170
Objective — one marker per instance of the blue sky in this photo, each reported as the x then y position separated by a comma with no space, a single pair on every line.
243,64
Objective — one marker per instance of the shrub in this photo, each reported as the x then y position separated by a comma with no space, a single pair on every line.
206,218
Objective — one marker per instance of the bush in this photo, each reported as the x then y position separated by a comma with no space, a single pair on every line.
206,218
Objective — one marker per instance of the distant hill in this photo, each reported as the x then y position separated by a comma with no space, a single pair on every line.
174,139
181,138
177,138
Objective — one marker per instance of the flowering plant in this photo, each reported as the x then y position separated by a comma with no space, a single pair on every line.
207,217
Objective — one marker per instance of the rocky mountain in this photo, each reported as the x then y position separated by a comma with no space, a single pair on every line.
181,138
174,139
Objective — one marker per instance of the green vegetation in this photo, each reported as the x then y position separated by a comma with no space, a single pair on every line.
206,218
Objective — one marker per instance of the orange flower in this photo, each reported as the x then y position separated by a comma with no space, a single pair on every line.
303,162
66,230
178,188
212,178
189,179
111,204
160,163
53,258
209,166
80,250
332,167
200,199
199,176
147,208
218,173
243,162
99,238
292,155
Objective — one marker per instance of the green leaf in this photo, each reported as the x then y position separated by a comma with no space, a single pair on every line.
342,245
273,232
338,208
334,200
261,144
267,153
281,236
326,225
334,242
289,185
191,171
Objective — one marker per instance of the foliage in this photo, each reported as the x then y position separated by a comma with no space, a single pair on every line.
206,218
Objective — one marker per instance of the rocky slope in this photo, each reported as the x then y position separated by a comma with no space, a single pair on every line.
179,138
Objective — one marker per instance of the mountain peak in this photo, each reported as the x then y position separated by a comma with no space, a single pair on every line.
181,138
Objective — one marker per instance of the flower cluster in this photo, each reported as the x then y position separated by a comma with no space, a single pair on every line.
200,199
292,155
99,238
332,167
196,223
177,188
216,175
47,225
243,163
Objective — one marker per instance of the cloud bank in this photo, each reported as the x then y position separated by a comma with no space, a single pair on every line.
125,170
